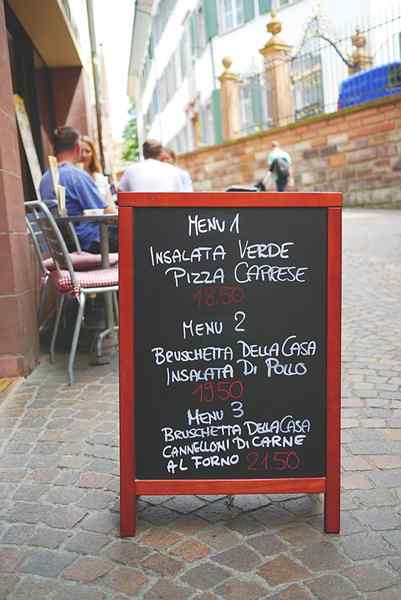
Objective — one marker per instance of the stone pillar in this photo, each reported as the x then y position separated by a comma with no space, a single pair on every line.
18,323
193,116
276,56
230,102
360,59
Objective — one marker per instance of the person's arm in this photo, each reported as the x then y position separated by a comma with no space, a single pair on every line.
186,182
124,185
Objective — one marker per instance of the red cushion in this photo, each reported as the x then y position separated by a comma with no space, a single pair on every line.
85,279
84,261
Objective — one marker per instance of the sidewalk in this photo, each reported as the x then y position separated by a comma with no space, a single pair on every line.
59,487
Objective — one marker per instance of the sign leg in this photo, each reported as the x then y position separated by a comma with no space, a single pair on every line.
332,510
128,513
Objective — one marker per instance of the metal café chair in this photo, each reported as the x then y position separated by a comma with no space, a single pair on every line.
67,280
81,260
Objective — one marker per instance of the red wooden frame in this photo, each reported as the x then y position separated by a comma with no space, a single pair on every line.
130,487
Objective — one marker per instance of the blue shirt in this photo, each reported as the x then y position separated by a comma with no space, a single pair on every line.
81,193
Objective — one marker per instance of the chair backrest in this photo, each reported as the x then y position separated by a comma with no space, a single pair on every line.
36,245
54,239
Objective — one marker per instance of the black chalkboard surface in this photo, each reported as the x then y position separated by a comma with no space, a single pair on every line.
230,342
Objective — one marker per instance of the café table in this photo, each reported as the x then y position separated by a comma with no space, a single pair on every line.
104,221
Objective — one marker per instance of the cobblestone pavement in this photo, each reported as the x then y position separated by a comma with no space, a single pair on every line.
59,510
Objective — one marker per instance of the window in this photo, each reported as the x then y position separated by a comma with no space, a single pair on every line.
231,14
246,107
200,30
308,85
253,105
185,52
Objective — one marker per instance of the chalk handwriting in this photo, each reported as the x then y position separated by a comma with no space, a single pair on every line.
191,329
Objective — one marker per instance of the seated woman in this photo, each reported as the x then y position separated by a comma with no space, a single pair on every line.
91,165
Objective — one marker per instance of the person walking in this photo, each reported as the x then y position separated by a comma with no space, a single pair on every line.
279,163
151,174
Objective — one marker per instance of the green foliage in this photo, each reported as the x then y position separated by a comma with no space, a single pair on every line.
130,136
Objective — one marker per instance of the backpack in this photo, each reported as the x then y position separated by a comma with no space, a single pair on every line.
281,167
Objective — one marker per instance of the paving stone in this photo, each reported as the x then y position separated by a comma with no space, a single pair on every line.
369,578
66,478
64,517
27,512
127,580
245,525
88,569
97,500
86,542
249,502
394,538
375,497
218,537
205,576
379,519
355,481
48,537
293,592
46,563
364,546
155,500
30,588
10,558
218,511
7,584
189,524
321,557
190,550
164,566
10,475
388,479
235,589
103,466
308,505
128,552
30,492
94,480
184,504
160,538
349,524
69,590
165,589
355,463
18,534
385,595
43,475
332,587
241,558
282,570
300,534
267,544
274,517
100,522
158,515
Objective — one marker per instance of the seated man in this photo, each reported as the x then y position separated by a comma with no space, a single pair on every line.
81,191
152,174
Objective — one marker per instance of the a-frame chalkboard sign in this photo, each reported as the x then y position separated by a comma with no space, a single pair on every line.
230,318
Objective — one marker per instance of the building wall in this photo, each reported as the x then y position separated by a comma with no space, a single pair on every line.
69,99
242,44
18,324
354,151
